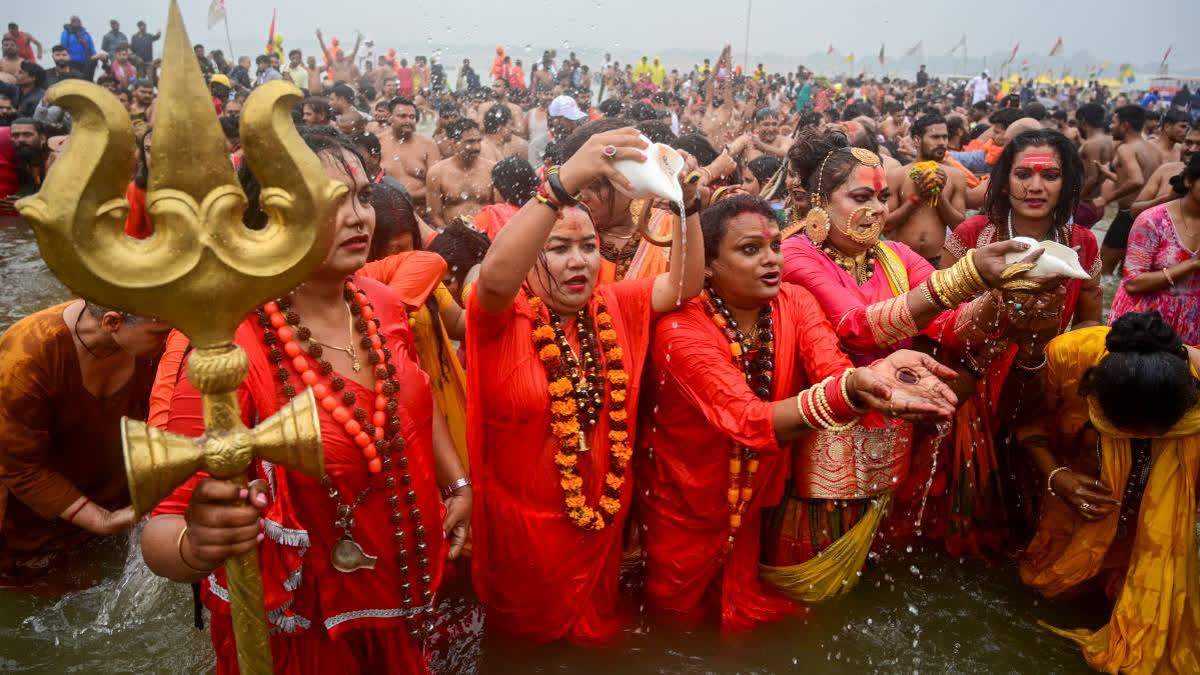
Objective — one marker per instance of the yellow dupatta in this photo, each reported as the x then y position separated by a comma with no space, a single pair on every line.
836,569
446,375
1155,622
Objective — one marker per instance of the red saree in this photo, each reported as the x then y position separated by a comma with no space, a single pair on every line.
540,576
974,514
323,620
702,406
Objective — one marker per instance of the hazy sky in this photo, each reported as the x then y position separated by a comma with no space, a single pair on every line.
1112,30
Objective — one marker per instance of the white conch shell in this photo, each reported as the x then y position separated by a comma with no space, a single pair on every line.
657,176
1058,260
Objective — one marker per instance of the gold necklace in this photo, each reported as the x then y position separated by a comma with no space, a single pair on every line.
349,349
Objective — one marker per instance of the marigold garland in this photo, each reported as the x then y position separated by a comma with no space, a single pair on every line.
567,422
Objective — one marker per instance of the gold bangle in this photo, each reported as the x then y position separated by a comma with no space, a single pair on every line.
179,547
973,269
1167,273
1050,479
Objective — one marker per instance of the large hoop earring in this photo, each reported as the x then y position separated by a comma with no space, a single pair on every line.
816,223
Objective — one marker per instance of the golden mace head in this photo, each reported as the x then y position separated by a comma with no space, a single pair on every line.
203,270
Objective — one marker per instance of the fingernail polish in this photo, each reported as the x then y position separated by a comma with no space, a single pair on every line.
243,493
261,499
260,537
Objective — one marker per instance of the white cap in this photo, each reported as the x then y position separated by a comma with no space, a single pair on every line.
565,106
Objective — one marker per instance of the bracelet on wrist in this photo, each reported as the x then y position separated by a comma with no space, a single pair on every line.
560,193
1050,480
182,559
454,486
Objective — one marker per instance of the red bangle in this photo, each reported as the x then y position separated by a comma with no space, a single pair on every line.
842,412
71,518
914,198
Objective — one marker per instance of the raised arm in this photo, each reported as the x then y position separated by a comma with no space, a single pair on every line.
685,277
324,49
519,244
354,52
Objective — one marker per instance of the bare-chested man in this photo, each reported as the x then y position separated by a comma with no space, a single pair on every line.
763,139
1064,126
1096,149
1135,161
718,122
912,216
1157,189
462,184
11,61
1171,130
344,69
518,123
499,141
895,124
406,155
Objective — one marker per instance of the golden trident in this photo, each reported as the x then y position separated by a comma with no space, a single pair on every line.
202,271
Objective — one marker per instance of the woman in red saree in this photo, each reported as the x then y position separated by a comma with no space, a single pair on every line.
879,296
1033,192
727,371
351,562
553,384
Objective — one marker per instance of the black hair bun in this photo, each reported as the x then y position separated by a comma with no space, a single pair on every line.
1143,333
1179,185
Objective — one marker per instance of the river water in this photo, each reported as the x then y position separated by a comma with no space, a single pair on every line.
914,611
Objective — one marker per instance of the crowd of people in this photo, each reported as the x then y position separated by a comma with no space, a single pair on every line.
844,343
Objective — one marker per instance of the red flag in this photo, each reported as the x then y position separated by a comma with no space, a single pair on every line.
271,35
1167,55
1058,47
1013,55
830,50
882,59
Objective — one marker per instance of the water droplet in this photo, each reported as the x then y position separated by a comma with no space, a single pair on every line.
912,610
429,39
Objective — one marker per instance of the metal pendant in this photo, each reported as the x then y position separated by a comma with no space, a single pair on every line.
347,556
354,363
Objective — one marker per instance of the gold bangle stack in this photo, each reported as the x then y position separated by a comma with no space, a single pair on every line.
960,282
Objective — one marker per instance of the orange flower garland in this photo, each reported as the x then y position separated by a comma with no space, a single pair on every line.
568,424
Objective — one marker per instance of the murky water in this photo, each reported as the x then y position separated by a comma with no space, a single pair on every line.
916,611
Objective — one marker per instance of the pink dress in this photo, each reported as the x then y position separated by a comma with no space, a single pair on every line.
1153,245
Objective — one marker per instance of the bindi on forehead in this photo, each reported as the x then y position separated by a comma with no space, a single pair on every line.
870,175
1039,161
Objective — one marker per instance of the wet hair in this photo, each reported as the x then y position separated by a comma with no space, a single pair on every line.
1059,115
657,131
697,146
403,100
319,105
922,124
461,247
553,152
1134,114
1145,381
765,114
496,118
997,204
1190,173
1153,115
368,141
764,167
643,112
1091,114
35,71
460,126
1006,116
714,221
1175,116
809,152
955,124
1035,110
893,107
515,180
322,141
342,90
611,107
572,143
394,216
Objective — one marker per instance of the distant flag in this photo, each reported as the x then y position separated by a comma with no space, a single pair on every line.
1162,67
882,58
850,57
271,35
216,12
1058,47
915,48
1103,67
1024,64
962,43
1013,55
830,50
1127,73
1065,72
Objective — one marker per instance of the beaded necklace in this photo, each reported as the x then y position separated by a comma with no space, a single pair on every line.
743,462
376,433
860,272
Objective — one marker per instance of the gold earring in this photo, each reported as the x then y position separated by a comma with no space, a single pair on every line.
816,223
